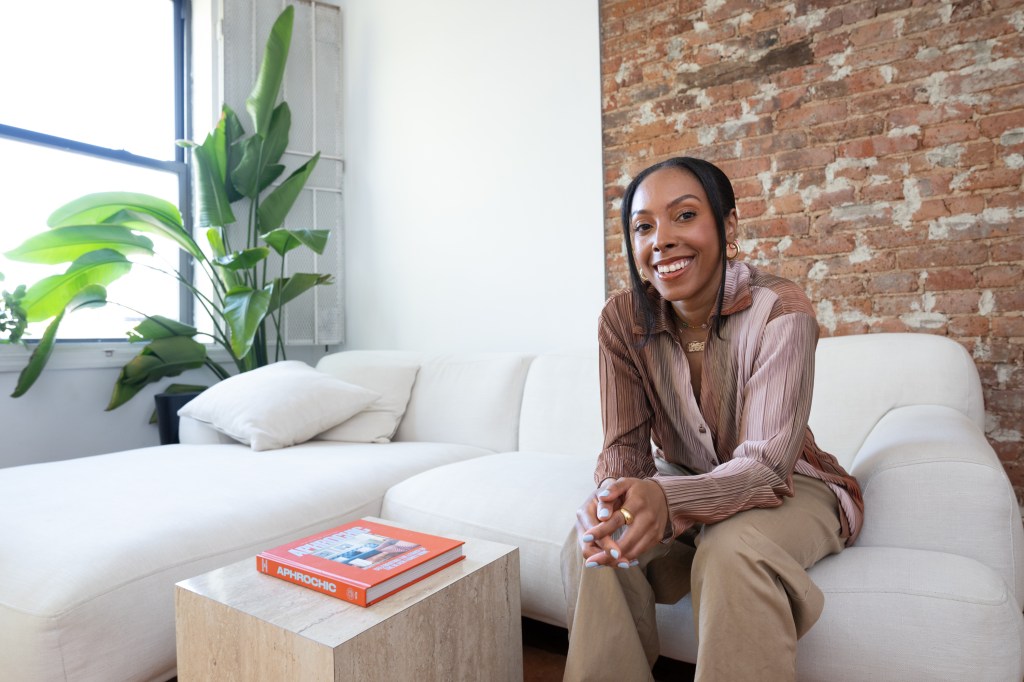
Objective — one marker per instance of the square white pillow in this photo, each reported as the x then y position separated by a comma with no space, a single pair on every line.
282,404
391,377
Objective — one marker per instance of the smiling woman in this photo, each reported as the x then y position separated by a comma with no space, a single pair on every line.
710,482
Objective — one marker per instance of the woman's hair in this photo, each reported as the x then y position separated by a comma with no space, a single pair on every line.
722,200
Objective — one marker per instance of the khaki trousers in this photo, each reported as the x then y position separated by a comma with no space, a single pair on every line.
752,598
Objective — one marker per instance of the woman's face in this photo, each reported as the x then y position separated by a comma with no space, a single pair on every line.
675,242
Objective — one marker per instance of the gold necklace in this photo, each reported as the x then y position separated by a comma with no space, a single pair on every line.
692,346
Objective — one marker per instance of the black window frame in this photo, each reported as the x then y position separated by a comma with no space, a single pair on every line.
181,166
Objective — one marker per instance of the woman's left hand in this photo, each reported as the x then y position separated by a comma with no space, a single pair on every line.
645,501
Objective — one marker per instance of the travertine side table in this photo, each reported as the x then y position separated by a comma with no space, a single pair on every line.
462,623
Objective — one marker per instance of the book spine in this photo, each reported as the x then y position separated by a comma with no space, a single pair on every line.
422,577
311,580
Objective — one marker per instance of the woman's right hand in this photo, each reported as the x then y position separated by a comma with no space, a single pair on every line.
597,548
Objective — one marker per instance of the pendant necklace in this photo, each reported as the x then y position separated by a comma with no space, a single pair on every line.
692,346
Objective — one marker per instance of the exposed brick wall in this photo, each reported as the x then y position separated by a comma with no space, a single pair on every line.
876,149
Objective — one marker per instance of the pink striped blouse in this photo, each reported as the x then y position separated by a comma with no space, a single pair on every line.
747,437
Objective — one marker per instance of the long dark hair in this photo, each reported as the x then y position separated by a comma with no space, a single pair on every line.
722,201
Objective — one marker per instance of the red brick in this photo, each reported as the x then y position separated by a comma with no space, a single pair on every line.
892,283
968,325
1008,327
837,287
1009,300
994,126
811,114
875,32
992,179
948,133
1000,275
953,278
782,226
938,256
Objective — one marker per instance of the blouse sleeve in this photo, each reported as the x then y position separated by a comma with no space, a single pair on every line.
772,424
625,411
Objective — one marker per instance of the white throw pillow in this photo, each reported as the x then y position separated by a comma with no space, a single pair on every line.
391,378
282,404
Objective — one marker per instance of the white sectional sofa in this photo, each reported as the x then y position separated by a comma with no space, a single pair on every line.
502,447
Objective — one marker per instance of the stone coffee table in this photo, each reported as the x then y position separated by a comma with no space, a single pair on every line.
462,623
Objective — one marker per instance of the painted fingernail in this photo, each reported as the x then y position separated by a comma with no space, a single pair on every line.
603,513
604,493
634,562
623,564
591,564
588,538
615,554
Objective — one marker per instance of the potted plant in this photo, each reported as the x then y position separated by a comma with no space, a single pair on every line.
99,234
12,315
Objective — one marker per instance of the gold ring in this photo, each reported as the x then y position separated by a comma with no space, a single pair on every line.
626,516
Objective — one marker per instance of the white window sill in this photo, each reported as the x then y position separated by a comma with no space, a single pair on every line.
85,355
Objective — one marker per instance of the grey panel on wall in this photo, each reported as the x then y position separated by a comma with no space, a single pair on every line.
312,87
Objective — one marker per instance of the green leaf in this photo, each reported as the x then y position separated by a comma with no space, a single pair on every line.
253,175
165,357
244,310
160,327
233,133
213,205
37,361
92,296
93,209
260,103
278,203
50,295
283,241
215,236
276,140
243,260
65,244
216,239
282,291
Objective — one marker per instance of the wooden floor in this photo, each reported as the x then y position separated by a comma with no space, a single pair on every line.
544,648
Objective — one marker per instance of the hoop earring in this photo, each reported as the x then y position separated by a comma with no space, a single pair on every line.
732,249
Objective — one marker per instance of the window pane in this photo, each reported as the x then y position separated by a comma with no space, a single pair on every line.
38,180
100,72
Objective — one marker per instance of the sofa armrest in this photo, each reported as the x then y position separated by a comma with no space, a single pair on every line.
199,433
932,481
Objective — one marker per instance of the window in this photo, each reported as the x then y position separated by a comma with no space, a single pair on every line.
93,101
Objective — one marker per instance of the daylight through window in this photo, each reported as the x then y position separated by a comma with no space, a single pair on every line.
92,103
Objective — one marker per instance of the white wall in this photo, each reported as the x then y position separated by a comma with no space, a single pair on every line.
474,216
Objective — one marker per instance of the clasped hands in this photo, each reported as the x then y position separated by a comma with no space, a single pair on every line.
599,519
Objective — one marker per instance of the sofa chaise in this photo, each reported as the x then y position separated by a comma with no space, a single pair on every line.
501,446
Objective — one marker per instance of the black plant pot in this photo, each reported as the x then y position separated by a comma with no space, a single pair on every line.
167,406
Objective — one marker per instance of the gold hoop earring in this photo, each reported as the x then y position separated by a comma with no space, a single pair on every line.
732,249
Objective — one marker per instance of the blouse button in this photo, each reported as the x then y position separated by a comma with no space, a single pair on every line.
702,429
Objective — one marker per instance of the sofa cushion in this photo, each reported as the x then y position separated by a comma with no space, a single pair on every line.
859,379
385,374
526,499
562,405
278,405
957,620
87,589
471,398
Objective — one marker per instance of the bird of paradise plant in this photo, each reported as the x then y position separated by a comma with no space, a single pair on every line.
99,234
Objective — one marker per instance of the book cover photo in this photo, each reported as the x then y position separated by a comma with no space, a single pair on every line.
360,562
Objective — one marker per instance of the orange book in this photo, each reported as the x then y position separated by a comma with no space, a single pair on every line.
361,562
